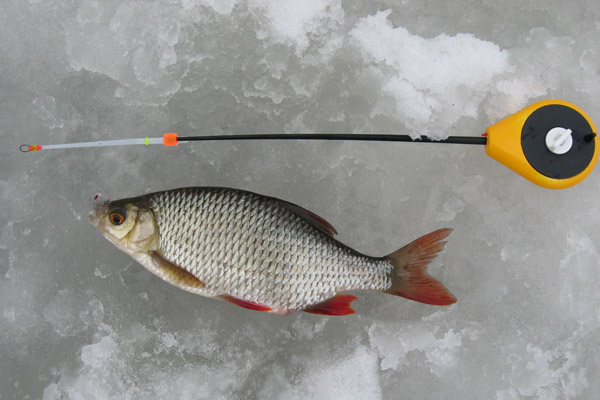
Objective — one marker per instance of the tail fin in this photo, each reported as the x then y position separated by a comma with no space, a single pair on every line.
409,276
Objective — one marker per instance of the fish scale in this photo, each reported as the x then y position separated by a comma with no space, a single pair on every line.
235,242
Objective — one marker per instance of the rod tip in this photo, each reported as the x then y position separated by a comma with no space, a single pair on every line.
26,148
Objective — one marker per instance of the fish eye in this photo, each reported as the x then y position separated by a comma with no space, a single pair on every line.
117,217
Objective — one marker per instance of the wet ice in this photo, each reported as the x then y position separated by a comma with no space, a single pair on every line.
80,320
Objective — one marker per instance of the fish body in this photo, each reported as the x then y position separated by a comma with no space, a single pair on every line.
260,252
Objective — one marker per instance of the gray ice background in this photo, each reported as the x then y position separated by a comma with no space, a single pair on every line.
81,320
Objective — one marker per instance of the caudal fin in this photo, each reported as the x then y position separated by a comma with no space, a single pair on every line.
409,276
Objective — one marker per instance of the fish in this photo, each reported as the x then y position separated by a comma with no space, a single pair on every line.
260,252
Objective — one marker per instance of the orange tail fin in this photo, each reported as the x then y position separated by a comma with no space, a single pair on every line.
409,276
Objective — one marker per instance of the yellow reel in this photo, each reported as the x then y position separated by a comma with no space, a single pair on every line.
552,143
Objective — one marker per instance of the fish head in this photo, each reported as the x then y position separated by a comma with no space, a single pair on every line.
129,225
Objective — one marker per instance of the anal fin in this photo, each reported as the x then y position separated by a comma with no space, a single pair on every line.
175,273
337,305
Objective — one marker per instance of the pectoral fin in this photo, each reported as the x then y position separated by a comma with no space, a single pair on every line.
174,273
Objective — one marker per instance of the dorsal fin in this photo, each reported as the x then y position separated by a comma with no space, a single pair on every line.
311,218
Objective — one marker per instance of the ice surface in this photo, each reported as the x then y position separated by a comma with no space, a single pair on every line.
81,320
431,82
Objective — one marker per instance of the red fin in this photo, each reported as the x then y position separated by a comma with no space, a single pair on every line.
337,305
409,276
311,218
246,303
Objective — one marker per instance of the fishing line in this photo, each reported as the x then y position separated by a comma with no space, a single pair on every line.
552,143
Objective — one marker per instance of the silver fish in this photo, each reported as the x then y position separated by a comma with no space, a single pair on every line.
260,252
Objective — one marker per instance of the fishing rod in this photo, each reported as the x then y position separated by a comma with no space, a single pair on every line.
173,139
552,143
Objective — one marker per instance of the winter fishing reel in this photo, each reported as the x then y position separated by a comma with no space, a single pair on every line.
552,143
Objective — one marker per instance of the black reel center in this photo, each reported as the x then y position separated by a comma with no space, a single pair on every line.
558,141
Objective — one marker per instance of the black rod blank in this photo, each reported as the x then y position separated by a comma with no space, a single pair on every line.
481,140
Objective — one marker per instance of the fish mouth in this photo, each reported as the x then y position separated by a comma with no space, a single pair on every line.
98,210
